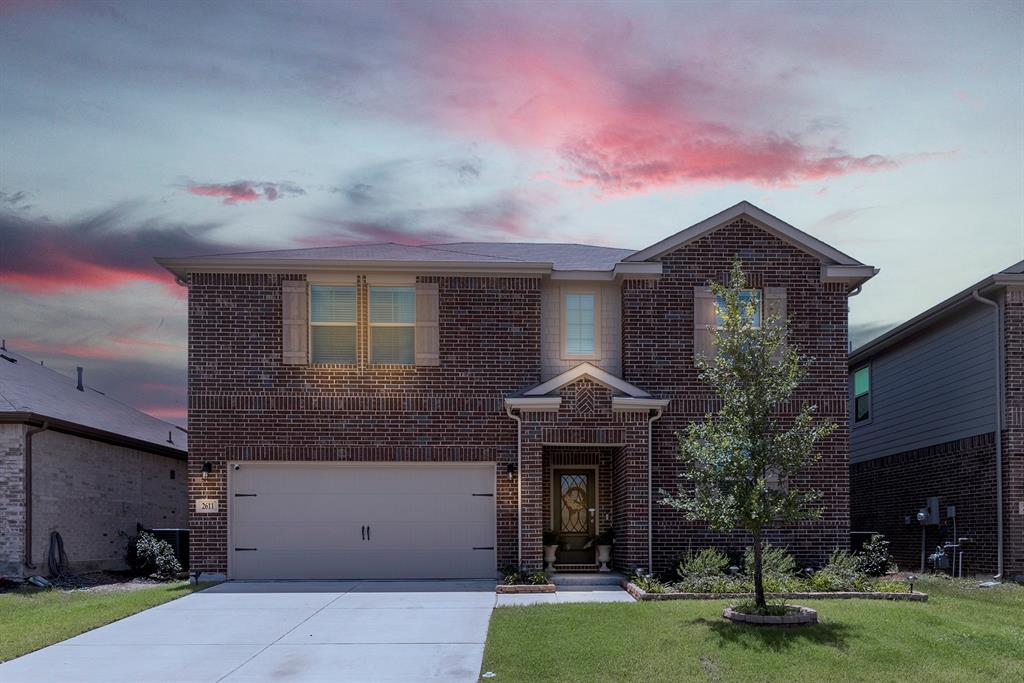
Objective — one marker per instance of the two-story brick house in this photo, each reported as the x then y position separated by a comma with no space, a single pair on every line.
393,411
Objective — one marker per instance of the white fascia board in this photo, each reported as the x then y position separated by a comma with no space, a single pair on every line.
586,275
593,372
643,269
625,404
543,404
854,275
772,224
182,267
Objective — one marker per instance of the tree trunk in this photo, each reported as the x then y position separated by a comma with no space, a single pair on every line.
758,574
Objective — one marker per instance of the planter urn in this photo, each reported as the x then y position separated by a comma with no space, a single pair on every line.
604,556
549,556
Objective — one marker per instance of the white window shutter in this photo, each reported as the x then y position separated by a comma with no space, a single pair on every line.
775,307
294,323
703,321
427,333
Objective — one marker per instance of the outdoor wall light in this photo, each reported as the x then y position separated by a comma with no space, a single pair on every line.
207,468
511,470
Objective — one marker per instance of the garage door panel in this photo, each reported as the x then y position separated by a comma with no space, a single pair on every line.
307,521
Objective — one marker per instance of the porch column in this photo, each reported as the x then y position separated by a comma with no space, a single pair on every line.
631,501
531,474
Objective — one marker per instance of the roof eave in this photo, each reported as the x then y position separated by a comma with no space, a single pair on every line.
182,267
931,316
77,429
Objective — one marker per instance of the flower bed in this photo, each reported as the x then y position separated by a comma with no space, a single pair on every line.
525,588
640,594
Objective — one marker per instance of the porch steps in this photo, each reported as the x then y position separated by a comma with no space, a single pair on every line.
587,579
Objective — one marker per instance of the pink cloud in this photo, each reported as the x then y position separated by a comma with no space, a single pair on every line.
621,117
244,190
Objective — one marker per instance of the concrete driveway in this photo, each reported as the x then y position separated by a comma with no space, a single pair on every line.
283,631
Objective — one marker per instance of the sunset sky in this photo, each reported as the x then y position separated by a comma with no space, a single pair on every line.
893,131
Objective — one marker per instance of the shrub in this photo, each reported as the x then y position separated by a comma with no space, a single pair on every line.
150,556
776,563
889,586
700,573
648,583
842,573
875,559
516,576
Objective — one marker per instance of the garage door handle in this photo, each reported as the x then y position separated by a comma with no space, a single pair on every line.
238,550
483,547
363,528
367,532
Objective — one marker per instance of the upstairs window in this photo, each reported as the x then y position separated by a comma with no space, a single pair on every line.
580,324
749,298
393,325
333,324
862,394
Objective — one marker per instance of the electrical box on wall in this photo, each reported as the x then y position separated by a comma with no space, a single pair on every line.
930,513
951,512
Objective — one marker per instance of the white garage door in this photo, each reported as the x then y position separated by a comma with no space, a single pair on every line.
361,521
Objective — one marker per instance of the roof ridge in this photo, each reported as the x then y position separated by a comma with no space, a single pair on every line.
470,253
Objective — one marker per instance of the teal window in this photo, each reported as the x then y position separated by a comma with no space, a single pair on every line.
862,394
580,333
332,321
393,325
750,301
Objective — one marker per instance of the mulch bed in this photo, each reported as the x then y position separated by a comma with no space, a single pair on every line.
641,594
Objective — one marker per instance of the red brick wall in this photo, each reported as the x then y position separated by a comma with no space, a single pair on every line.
885,491
658,356
1013,432
245,405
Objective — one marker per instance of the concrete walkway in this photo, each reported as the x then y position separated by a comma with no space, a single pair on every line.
289,631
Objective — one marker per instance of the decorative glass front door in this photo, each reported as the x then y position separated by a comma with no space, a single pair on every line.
575,515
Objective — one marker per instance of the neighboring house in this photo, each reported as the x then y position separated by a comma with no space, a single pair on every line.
936,403
88,466
396,411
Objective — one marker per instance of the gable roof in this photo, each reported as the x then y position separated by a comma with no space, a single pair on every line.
1012,275
559,261
593,372
30,391
776,226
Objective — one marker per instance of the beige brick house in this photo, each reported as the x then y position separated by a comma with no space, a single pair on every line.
75,461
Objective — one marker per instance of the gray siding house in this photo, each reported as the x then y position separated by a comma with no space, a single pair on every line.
78,462
936,424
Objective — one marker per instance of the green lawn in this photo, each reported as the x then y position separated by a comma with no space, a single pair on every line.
962,633
29,621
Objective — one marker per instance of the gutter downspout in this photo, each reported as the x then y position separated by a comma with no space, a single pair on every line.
519,484
650,487
999,433
28,493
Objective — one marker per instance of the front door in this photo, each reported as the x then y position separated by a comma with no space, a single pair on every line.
575,514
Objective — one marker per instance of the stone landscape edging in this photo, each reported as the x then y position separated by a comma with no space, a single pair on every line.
525,588
640,594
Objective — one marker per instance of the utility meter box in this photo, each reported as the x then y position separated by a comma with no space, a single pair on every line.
931,511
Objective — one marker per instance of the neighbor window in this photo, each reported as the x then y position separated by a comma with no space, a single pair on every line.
580,324
332,322
862,394
393,325
747,297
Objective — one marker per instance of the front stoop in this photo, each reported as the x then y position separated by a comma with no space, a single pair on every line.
588,579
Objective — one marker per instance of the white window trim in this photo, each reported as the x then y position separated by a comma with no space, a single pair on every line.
564,291
388,283
760,307
312,324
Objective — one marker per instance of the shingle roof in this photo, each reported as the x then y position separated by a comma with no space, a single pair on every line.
561,256
28,387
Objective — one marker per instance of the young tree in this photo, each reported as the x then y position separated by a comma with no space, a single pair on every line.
738,459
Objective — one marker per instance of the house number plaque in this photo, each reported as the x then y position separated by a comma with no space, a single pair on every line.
207,505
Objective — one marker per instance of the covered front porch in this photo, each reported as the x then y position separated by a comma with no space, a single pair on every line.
584,472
